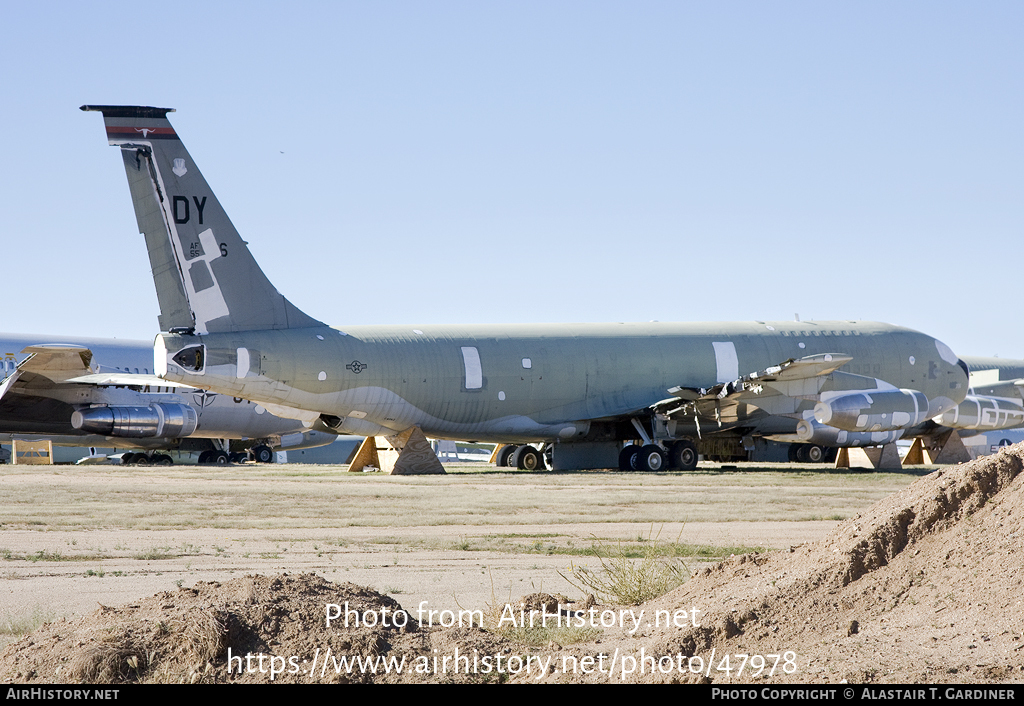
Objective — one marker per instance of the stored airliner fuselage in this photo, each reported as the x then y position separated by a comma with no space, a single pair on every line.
548,382
669,385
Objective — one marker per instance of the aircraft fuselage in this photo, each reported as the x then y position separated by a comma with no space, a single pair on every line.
535,382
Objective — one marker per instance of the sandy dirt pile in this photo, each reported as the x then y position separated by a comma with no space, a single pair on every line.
924,587
186,635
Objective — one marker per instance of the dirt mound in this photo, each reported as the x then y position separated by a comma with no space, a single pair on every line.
924,587
248,630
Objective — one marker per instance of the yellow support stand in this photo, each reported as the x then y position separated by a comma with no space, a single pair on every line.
406,453
32,452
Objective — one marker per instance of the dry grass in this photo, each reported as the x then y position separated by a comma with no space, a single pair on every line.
624,580
279,497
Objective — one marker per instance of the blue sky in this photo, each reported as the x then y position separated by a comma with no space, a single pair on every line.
477,162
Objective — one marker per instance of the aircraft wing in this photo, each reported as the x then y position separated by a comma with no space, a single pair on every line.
57,363
47,366
51,366
1002,388
125,380
778,389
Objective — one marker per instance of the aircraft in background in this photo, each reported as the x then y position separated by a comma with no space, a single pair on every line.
667,390
995,399
69,390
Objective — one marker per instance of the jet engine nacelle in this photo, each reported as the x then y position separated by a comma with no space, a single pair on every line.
812,432
984,413
873,410
163,420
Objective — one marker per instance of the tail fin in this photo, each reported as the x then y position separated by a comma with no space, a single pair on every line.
206,278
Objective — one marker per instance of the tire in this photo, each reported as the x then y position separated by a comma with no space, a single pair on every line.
628,458
163,460
262,454
815,454
128,459
651,459
504,455
204,457
219,458
527,458
792,452
683,455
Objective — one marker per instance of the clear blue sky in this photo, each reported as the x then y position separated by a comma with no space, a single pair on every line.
461,162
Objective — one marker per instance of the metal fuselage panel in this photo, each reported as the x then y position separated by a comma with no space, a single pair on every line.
530,381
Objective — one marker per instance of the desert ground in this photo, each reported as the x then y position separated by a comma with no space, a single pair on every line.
83,545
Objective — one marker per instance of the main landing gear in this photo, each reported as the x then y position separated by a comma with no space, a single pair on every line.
680,455
525,458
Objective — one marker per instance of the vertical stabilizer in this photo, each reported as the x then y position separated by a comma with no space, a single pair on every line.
205,276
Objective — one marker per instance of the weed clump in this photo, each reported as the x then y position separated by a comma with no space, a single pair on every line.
626,580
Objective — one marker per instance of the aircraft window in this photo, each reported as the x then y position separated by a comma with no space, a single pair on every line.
817,333
474,372
826,333
136,371
785,333
527,363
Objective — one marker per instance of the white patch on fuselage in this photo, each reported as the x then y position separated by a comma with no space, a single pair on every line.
727,363
243,362
474,372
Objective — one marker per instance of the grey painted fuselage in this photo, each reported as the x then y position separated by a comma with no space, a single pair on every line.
228,329
545,382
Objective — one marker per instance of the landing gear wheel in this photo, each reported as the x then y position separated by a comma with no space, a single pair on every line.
815,454
628,457
262,454
526,458
162,460
683,455
801,454
651,458
504,455
219,458
204,457
128,459
792,452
